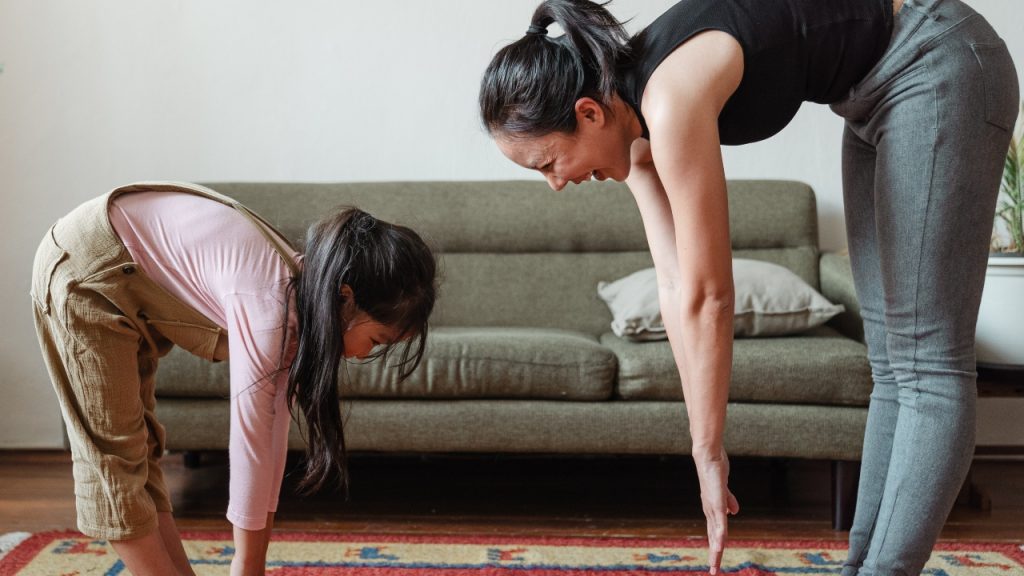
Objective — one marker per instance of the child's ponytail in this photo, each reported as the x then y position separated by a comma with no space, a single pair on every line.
392,275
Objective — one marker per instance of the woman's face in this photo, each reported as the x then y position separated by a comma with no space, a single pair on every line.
598,149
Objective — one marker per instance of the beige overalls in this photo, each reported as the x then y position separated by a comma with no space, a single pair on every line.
103,325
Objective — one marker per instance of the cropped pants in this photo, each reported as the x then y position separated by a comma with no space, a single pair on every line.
927,131
103,325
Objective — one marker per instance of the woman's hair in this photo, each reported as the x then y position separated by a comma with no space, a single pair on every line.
532,85
392,275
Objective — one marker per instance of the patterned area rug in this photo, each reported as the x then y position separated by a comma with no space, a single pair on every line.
308,553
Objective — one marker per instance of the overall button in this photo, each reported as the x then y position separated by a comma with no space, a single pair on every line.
128,269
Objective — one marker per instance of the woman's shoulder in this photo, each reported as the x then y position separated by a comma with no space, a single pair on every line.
701,73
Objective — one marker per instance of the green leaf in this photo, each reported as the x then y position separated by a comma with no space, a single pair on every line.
1011,174
1011,187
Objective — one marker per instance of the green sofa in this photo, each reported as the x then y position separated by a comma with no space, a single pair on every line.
521,358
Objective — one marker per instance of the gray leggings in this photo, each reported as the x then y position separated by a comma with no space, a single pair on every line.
927,132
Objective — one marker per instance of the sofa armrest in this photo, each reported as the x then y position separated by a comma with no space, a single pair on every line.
837,286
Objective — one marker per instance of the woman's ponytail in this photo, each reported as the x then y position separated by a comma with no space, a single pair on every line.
594,34
532,85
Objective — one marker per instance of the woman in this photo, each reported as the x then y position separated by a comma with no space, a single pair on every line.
928,91
126,276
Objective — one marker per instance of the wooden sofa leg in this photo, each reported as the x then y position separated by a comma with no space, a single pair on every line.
845,475
191,459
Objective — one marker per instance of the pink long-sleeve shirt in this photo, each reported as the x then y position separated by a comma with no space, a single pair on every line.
214,259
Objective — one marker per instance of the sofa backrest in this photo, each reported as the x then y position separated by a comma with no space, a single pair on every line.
514,253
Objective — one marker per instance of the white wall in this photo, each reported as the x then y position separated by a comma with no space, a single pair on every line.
96,94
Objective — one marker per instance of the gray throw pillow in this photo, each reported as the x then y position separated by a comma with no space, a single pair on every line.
770,301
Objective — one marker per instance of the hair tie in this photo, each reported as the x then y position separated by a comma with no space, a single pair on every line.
536,30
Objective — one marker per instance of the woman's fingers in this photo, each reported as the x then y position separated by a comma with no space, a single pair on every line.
717,532
718,502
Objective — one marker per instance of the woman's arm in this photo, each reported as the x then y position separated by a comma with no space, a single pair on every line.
706,423
649,193
712,470
681,103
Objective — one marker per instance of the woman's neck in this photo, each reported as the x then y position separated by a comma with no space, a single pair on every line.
626,118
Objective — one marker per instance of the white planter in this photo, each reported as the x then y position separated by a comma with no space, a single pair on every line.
1000,337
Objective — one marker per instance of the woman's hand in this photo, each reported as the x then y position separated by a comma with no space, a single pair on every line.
718,502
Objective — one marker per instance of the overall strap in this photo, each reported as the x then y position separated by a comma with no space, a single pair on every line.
265,228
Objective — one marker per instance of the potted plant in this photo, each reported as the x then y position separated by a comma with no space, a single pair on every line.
1000,336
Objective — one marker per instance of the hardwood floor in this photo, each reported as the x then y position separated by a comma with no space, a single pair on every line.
643,497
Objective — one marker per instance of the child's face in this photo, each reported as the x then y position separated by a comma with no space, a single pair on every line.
363,334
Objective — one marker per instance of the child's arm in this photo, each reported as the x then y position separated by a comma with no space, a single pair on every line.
251,550
259,423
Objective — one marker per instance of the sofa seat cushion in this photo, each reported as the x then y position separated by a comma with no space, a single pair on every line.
460,363
818,367
488,362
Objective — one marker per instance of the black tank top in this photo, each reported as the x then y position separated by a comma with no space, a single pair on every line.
793,51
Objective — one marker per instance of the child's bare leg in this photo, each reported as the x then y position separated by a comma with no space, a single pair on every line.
172,542
146,556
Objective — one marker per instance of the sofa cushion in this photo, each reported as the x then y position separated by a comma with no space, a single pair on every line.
182,374
817,367
770,301
516,254
527,217
484,362
545,427
459,363
542,290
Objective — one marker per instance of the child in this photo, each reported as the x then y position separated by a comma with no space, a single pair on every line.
126,276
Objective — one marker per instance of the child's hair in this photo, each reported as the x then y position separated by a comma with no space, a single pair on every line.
532,85
392,275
